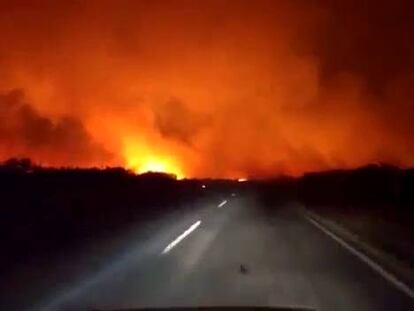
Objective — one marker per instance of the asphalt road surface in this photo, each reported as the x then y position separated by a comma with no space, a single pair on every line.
194,258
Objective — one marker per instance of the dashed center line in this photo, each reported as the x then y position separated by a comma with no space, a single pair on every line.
181,237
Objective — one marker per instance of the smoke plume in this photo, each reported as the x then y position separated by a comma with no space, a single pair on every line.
208,88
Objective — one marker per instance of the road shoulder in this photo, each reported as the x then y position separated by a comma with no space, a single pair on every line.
392,269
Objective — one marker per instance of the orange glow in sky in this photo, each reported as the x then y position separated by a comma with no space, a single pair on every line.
207,88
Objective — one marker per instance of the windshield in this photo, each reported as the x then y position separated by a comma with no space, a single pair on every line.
217,153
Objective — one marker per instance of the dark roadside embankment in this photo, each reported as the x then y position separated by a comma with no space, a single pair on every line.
375,204
47,212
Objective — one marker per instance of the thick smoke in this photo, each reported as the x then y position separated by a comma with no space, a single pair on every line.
222,88
26,133
174,120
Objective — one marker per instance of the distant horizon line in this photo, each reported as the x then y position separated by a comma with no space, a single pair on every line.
30,165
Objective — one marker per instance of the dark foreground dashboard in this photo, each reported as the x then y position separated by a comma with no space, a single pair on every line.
213,309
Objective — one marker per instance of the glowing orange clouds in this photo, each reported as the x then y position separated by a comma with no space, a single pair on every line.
207,88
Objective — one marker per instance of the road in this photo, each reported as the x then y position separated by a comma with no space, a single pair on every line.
193,259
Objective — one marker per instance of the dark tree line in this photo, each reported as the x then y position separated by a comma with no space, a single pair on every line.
44,209
381,189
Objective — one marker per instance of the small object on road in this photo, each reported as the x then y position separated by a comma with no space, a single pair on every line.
243,269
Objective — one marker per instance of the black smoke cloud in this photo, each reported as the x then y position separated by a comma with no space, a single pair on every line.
26,133
174,120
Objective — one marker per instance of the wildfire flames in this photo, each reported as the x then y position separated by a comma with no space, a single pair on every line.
234,89
141,161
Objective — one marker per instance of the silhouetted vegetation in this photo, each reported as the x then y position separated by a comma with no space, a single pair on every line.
376,202
44,209
376,187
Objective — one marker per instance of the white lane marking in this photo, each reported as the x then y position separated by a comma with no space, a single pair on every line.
222,204
181,237
376,267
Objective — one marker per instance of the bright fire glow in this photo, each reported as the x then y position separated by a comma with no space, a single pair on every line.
141,161
154,164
